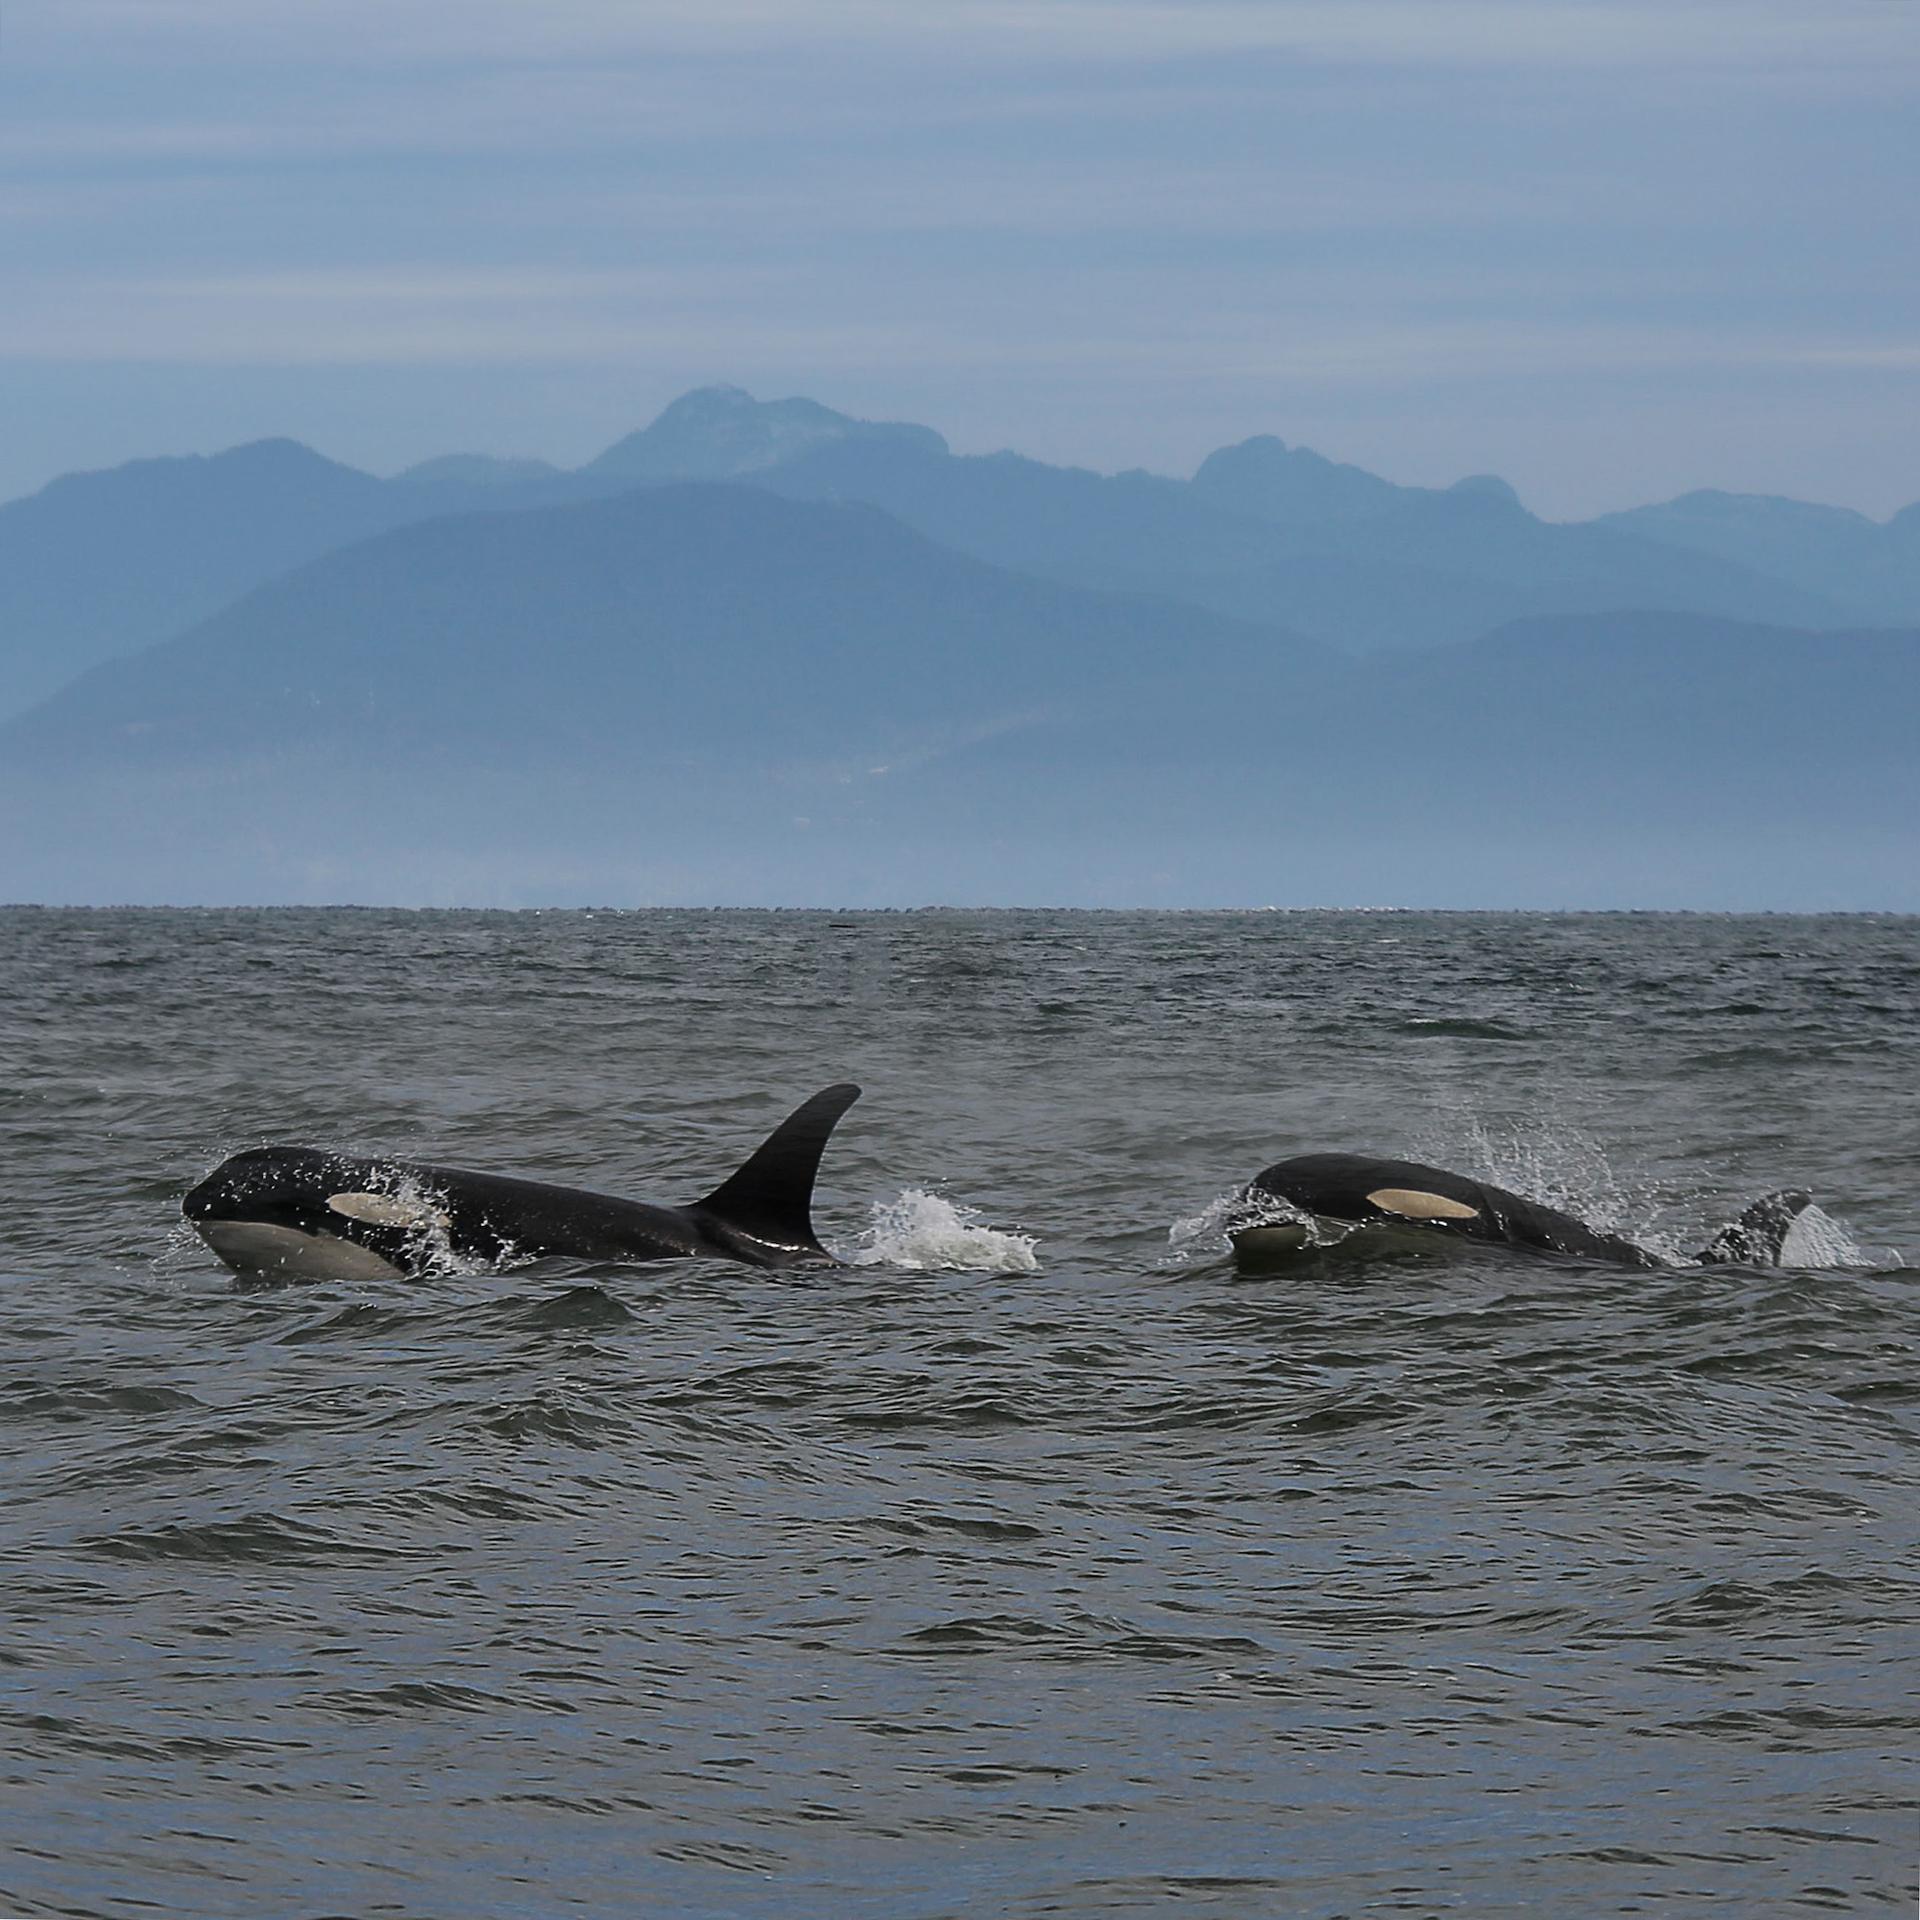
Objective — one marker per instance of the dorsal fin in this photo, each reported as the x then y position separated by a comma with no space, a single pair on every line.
1759,1236
771,1197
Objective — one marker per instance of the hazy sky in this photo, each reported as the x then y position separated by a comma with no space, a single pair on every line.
1609,250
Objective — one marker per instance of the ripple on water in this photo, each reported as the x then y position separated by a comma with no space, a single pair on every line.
261,1539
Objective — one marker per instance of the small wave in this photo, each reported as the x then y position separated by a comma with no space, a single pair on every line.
1076,1637
550,1417
412,1696
357,1320
86,1400
586,1306
1441,1029
970,1526
923,1231
267,1539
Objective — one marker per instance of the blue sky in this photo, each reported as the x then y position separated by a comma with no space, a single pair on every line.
1611,251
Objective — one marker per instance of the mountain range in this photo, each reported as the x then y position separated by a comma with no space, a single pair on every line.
762,651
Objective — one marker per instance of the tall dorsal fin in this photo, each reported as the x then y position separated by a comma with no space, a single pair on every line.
771,1197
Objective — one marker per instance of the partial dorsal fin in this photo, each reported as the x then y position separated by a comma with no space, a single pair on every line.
1759,1236
771,1197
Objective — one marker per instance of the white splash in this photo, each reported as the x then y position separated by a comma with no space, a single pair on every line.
430,1249
1210,1231
1206,1231
922,1230
1549,1160
1816,1239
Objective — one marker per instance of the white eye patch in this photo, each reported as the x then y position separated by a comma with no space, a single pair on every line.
1411,1205
388,1210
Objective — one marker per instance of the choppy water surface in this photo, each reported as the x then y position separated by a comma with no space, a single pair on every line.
1082,1578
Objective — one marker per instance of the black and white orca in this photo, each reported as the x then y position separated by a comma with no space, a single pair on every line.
1348,1190
305,1213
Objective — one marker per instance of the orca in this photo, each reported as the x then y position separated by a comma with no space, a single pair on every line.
1414,1205
305,1213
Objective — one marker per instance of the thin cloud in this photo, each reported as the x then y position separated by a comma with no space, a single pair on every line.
1892,357
1105,326
1727,34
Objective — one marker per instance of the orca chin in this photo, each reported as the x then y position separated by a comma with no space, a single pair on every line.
252,1247
1298,1204
305,1213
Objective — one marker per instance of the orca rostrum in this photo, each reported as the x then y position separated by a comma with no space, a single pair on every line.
1349,1190
306,1213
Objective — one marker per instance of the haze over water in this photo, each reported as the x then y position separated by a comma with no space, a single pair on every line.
1084,1579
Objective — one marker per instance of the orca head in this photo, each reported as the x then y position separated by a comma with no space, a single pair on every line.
271,1210
268,1185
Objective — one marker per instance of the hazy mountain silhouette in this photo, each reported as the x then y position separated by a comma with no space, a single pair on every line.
714,692
1133,531
1868,567
1263,531
98,566
98,563
1438,566
653,623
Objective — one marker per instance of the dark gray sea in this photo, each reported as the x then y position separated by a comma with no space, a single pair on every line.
1034,1563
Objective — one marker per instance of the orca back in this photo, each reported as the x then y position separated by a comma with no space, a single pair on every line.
1361,1188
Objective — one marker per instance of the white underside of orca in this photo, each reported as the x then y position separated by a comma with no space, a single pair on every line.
250,1247
1271,1242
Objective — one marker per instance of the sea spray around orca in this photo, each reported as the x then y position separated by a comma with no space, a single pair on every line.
923,1230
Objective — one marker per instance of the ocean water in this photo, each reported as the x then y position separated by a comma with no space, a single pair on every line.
1035,1562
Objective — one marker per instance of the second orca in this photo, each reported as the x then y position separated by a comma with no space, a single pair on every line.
1349,1190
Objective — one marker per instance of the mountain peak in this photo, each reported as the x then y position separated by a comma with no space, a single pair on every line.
722,433
1488,486
1270,480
